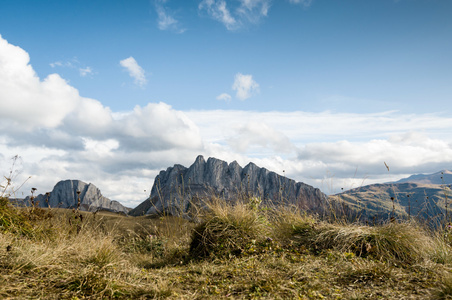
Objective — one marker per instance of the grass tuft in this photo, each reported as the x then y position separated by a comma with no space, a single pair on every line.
11,220
445,290
228,230
393,242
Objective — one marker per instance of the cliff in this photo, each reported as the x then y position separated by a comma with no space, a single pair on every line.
64,195
175,189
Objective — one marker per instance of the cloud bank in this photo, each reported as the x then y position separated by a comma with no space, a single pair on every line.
61,135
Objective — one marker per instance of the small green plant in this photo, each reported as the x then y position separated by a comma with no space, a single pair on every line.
150,244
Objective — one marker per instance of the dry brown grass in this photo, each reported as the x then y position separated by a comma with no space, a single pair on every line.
251,252
228,230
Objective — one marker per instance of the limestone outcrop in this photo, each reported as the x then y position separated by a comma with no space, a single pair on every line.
177,188
64,195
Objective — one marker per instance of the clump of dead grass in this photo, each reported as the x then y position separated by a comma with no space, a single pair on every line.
228,229
11,220
394,242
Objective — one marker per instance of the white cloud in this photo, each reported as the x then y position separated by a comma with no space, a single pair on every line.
241,13
323,145
100,148
67,64
88,118
247,11
135,71
252,134
253,10
56,64
25,101
61,135
218,10
245,86
305,3
309,127
157,127
85,71
165,20
73,64
224,97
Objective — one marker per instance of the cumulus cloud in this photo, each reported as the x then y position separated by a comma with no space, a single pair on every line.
224,97
407,157
100,148
318,151
157,127
61,135
135,71
245,86
25,101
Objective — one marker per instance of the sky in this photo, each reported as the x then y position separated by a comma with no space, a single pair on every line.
325,92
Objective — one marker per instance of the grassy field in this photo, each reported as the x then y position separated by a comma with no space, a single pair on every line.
241,251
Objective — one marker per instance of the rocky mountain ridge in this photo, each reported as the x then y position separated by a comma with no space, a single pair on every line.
441,177
427,196
175,189
64,195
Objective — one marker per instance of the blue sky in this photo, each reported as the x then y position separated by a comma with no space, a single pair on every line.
317,88
387,54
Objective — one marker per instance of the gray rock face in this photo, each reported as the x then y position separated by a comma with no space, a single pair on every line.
176,188
64,195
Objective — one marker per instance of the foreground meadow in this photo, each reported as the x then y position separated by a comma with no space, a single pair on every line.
242,251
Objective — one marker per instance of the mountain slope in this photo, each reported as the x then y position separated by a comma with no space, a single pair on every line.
442,177
64,195
425,196
175,189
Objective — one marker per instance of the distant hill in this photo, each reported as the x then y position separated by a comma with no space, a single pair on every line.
175,189
442,177
424,196
64,195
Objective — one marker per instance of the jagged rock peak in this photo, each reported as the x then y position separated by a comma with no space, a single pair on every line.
175,188
199,160
66,194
